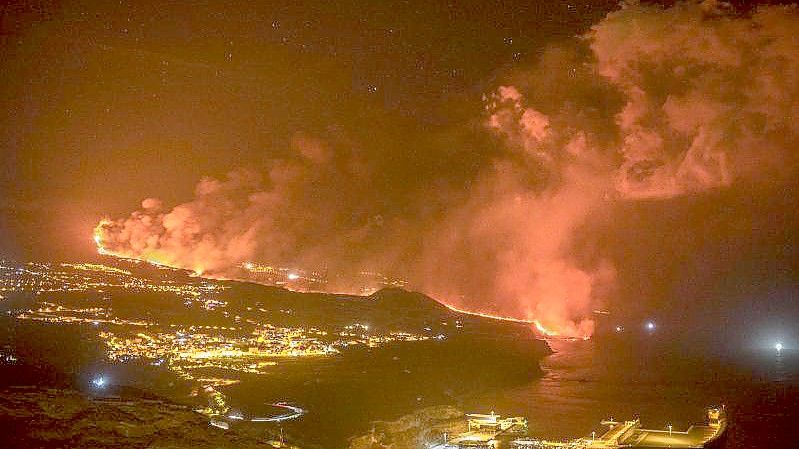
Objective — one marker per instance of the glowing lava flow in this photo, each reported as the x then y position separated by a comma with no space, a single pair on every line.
98,238
543,331
546,333
488,315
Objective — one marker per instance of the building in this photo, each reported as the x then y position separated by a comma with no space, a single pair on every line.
495,423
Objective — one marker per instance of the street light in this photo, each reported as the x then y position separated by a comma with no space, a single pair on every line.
669,429
778,346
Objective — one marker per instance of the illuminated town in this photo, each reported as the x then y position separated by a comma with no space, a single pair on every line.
242,344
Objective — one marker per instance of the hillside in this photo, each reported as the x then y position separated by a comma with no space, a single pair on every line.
51,418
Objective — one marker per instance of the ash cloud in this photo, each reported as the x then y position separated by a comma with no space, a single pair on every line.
293,211
709,97
651,104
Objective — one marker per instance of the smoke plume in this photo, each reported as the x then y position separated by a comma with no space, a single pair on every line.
650,104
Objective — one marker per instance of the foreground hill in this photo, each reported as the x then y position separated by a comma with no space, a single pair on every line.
51,418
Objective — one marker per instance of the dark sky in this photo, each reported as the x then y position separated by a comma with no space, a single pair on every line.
108,103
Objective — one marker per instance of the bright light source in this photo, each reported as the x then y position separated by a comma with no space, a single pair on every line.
293,276
650,325
778,347
619,328
99,382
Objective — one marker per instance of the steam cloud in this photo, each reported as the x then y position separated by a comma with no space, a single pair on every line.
651,104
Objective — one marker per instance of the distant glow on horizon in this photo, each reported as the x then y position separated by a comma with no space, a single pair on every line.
293,276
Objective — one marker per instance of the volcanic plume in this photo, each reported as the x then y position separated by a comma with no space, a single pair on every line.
651,104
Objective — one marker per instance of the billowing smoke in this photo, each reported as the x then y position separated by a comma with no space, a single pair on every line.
709,97
510,244
650,104
299,211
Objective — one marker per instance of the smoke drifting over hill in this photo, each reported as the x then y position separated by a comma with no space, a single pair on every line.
651,104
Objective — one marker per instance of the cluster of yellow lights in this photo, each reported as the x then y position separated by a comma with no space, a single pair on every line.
96,268
186,350
81,277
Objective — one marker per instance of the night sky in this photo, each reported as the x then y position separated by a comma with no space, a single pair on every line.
110,102
367,122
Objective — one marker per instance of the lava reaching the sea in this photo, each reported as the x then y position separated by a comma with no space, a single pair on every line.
537,326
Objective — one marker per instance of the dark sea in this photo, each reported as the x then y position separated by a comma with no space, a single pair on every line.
588,381
583,382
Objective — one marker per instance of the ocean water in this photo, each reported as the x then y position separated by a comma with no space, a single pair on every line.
587,381
583,382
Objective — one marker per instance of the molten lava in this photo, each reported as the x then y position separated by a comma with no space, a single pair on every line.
200,272
538,327
98,237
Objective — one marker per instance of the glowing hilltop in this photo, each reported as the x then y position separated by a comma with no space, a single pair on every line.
301,280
